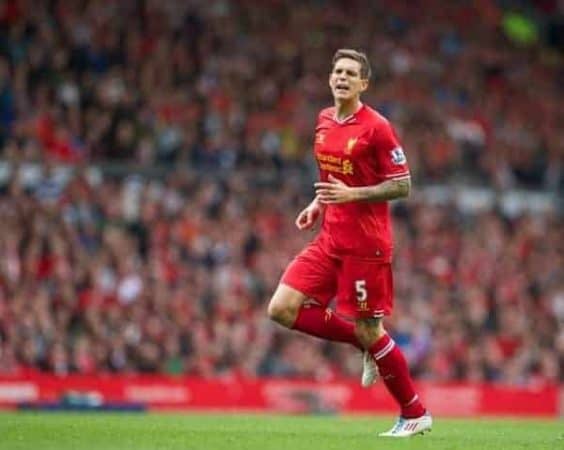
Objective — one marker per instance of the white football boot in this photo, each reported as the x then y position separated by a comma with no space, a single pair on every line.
369,370
410,427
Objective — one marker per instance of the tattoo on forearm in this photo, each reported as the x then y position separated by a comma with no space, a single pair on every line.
389,190
402,186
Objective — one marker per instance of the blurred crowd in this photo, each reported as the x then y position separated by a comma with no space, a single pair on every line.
102,275
217,84
172,274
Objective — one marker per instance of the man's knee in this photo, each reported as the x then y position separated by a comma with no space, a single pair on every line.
368,331
284,306
280,312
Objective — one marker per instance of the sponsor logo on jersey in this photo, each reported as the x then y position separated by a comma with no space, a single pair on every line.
398,156
347,168
335,164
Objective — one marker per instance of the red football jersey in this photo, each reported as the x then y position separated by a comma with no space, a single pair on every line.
362,150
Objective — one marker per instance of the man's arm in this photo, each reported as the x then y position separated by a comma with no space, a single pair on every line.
335,191
388,190
309,215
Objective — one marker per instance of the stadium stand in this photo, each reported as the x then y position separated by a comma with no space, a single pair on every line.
154,155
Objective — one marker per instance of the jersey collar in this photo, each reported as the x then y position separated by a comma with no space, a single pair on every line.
349,119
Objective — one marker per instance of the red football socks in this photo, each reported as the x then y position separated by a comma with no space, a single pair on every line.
325,324
395,374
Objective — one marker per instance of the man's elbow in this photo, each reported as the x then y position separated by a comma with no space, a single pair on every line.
404,188
408,188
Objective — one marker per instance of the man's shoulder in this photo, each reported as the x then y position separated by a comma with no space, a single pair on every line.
374,118
326,113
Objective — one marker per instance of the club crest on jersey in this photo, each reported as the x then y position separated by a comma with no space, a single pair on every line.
350,145
319,138
398,156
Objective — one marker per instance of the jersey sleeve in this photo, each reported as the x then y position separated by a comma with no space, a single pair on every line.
390,158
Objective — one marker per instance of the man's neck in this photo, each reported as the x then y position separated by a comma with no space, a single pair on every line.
346,109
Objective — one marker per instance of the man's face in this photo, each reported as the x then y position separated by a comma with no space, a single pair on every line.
345,80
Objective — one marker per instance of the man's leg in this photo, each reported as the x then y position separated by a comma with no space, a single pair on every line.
301,299
365,292
293,309
391,364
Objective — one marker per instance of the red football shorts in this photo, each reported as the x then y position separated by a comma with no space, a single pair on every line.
362,287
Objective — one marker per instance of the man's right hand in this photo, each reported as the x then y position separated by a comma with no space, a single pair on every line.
309,215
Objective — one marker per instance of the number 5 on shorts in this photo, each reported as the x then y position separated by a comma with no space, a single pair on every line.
360,287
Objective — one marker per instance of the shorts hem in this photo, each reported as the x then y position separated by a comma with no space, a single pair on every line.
302,291
354,315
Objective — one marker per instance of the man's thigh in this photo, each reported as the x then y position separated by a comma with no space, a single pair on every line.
314,273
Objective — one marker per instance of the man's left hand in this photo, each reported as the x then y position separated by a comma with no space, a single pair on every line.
334,191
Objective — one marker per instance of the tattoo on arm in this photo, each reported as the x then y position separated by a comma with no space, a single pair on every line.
388,190
402,187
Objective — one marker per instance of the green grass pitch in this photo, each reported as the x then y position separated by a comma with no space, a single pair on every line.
81,431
